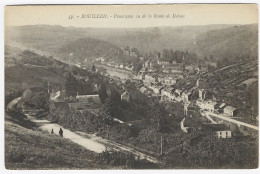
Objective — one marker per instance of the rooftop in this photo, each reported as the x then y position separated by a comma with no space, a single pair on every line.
230,108
89,98
210,102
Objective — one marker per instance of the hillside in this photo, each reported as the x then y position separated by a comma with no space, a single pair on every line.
159,38
146,39
236,85
25,151
31,70
41,37
87,48
221,41
229,44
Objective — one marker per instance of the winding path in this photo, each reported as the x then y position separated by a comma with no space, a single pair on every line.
88,141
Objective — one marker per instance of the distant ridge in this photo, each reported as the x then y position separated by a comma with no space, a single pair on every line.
221,41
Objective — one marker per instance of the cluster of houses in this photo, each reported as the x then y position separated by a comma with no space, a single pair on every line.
127,51
220,131
82,102
216,107
79,103
166,89
154,64
86,102
152,77
162,84
168,92
173,67
193,93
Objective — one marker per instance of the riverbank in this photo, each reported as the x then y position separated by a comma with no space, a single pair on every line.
120,73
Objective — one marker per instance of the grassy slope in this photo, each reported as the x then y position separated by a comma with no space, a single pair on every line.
32,70
33,76
27,148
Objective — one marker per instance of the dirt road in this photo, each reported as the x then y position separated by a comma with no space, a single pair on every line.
88,141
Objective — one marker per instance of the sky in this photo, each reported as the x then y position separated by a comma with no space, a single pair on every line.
189,14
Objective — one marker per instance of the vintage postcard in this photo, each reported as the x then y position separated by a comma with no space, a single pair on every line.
131,86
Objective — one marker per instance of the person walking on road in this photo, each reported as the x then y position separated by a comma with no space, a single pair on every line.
61,132
52,131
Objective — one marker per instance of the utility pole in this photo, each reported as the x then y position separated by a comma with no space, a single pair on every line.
161,144
108,132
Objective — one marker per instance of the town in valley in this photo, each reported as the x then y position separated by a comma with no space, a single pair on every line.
173,97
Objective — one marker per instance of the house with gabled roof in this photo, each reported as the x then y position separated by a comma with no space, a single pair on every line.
230,111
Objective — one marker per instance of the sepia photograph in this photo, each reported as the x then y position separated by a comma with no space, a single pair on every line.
158,86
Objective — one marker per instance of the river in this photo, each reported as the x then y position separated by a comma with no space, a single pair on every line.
120,73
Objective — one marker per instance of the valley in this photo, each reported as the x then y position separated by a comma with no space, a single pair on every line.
153,105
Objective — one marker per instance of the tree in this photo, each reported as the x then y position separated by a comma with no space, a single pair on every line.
171,55
71,85
102,92
159,55
27,94
138,65
165,54
93,68
37,100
